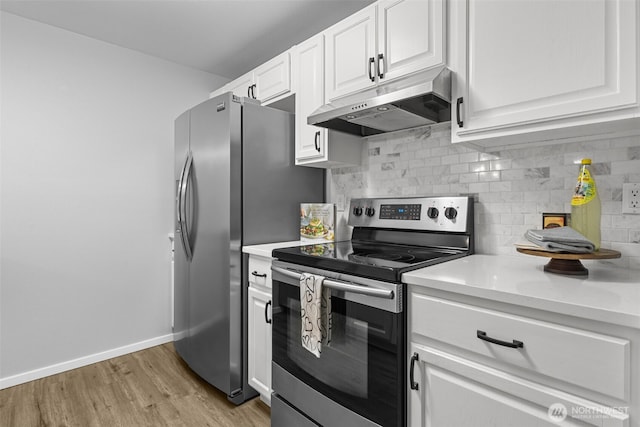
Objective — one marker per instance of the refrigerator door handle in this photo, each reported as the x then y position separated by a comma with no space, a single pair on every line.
182,206
179,197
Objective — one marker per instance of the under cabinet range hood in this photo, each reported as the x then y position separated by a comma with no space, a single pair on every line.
416,101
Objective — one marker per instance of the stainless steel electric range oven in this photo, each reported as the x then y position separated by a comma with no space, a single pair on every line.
360,378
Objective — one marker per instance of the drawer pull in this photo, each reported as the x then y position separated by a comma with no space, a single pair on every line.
414,359
515,344
255,273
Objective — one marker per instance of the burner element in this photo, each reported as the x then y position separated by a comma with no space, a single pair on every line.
392,256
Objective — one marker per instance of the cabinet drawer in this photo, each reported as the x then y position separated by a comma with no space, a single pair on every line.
260,271
590,360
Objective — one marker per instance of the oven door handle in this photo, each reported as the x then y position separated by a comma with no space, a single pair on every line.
342,286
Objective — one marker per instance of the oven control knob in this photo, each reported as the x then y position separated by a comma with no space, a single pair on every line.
450,213
432,213
357,211
370,211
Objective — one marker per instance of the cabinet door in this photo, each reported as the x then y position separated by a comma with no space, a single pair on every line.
526,63
410,36
452,391
272,78
241,86
259,341
351,54
311,141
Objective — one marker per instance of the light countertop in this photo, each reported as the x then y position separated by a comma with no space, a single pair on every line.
609,294
266,248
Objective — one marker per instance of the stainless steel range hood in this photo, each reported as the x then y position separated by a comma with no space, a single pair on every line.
416,101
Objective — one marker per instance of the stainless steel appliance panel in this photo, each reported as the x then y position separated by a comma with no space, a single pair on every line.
210,299
207,218
285,415
322,409
359,377
273,186
181,268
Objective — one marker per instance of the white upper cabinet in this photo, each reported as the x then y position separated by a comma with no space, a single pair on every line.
411,36
529,67
272,78
385,41
242,86
351,54
316,146
267,83
308,67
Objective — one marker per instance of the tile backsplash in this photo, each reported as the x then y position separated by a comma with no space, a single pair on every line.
512,187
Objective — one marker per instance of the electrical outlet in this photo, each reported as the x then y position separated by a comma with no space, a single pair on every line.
631,198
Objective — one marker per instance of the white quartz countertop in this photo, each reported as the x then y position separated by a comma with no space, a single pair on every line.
266,248
609,294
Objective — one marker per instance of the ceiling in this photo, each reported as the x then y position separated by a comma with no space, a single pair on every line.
223,37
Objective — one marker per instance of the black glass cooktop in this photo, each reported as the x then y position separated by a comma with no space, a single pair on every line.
367,259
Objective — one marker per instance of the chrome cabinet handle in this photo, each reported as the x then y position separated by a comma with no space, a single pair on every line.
415,358
266,311
372,75
256,274
513,344
341,286
317,141
458,103
381,66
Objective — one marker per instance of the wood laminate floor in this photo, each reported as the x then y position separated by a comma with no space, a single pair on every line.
152,387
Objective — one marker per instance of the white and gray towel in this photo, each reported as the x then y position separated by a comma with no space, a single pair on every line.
560,239
315,312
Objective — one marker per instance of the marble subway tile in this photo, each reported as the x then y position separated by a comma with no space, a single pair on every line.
460,168
469,177
489,176
512,187
479,166
537,172
451,159
469,157
624,167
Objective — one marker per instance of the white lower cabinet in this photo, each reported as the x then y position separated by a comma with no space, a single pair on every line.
474,365
259,334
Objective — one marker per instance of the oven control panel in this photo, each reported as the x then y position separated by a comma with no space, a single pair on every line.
447,214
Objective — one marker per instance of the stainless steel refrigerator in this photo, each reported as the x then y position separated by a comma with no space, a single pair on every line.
236,184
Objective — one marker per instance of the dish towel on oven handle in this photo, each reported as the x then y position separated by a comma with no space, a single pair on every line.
315,313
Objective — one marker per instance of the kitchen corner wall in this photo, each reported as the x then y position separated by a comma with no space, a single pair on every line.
512,187
87,197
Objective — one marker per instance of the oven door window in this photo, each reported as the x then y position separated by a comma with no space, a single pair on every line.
361,368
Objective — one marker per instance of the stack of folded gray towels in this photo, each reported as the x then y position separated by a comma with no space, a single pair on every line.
560,239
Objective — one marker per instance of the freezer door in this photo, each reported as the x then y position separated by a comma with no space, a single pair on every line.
273,186
181,264
211,237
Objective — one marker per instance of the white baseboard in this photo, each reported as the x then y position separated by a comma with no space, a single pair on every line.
82,361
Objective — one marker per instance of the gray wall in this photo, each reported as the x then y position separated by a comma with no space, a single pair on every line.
87,196
513,187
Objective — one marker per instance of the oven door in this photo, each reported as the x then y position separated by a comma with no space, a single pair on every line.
362,369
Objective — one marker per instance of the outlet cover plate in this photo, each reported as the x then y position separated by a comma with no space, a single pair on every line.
631,198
